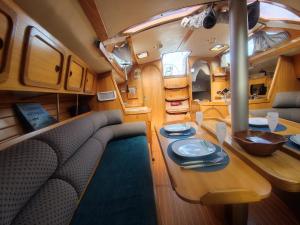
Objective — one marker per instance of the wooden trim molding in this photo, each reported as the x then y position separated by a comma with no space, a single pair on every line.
91,11
33,32
6,47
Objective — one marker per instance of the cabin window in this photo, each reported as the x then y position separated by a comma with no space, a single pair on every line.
275,12
175,63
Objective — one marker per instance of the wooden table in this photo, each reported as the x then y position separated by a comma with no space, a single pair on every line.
282,168
235,185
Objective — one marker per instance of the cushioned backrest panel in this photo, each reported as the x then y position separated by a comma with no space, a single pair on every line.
66,139
287,100
114,117
24,168
54,204
81,165
129,129
104,135
99,119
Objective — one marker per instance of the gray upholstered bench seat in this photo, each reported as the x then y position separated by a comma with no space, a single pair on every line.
43,179
287,104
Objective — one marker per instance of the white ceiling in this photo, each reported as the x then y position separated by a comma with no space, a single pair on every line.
118,15
171,36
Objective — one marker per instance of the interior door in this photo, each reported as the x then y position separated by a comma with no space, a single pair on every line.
153,93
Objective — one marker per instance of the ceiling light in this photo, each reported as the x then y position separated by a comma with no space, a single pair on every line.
142,55
218,47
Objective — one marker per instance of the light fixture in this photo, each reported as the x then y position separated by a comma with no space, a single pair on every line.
218,47
142,55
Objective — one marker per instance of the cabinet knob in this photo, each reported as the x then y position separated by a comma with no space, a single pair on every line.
71,73
57,68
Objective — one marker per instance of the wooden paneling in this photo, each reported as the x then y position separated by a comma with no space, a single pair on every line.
75,74
43,61
42,75
89,85
296,61
153,92
7,31
10,125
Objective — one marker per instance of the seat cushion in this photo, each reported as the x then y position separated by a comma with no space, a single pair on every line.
66,139
24,168
54,204
99,120
80,167
121,191
287,100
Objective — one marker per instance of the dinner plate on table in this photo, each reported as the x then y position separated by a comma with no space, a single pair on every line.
295,139
178,127
193,148
258,122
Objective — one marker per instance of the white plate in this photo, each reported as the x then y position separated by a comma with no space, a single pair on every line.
258,121
295,139
193,148
178,127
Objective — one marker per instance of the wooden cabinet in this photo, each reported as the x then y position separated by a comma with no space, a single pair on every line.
7,30
89,85
75,74
42,62
296,61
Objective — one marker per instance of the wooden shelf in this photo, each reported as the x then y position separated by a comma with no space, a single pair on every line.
176,83
183,108
177,94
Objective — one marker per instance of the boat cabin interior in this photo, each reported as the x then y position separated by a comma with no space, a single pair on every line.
136,112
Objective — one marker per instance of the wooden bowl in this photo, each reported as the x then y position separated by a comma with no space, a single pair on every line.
260,149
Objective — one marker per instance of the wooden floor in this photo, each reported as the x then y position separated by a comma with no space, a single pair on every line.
174,211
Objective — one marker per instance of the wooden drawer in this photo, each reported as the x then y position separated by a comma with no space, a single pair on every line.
7,30
43,60
89,82
75,74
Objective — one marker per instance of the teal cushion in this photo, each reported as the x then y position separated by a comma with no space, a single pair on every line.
121,191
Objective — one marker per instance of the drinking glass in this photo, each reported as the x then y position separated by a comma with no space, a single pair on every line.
272,120
221,130
199,118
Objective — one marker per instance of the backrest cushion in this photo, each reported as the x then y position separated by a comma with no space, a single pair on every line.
24,168
66,139
114,116
287,100
54,204
129,129
78,169
104,135
99,120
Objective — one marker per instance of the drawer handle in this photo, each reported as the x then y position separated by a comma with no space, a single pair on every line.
57,68
71,73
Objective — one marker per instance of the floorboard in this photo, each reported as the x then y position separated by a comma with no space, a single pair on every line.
174,211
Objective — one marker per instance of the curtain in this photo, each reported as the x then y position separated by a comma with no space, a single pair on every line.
264,41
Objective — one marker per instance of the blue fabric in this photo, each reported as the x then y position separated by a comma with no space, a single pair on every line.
291,144
179,159
185,134
280,127
121,191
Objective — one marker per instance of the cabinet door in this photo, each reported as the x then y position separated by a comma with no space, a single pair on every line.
7,29
43,60
89,82
75,75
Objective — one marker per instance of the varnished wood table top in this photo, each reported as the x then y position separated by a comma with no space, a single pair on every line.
237,183
281,169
